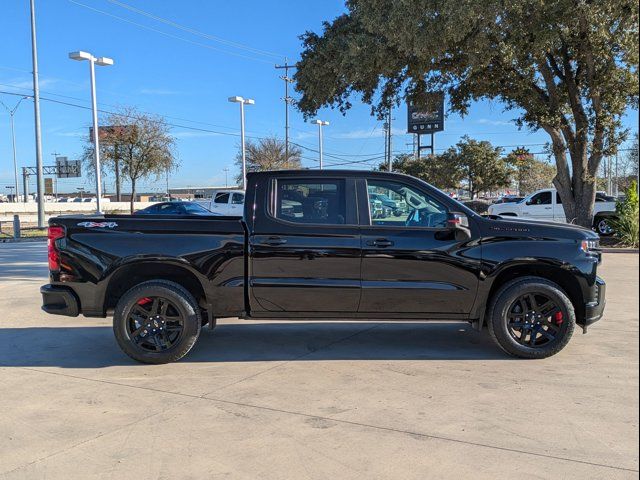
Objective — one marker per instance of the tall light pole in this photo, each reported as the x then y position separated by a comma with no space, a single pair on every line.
102,61
320,123
242,101
36,114
12,112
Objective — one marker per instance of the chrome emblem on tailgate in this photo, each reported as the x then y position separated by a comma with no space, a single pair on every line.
98,224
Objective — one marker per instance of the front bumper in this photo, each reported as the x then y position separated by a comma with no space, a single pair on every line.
59,301
595,309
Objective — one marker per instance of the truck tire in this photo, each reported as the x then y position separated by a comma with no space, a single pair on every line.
602,226
157,322
531,317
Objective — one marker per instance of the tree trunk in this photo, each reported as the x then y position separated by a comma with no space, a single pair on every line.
117,172
133,195
579,192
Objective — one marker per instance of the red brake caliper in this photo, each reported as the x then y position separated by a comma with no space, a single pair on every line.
558,318
144,301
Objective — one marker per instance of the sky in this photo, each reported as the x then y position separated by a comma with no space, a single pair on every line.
182,60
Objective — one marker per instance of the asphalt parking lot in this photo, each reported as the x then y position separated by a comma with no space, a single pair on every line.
304,400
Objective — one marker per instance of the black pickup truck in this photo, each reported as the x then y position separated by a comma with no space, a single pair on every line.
308,247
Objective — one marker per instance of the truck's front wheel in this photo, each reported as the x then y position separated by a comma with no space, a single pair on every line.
157,322
531,317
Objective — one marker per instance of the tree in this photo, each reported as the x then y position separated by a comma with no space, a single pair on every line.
530,174
568,67
268,154
138,145
626,225
628,168
441,171
482,166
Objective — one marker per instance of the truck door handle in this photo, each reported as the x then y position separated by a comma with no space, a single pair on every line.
547,208
380,242
273,241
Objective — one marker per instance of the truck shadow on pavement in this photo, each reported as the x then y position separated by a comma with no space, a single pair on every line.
95,347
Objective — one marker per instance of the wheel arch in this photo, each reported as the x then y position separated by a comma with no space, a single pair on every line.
131,274
554,273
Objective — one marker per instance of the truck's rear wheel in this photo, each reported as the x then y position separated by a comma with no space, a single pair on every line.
531,317
157,322
602,225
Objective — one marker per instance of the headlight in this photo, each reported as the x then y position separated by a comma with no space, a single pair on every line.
590,246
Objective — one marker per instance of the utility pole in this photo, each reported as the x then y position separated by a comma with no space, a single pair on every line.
390,162
36,113
12,112
287,101
55,179
226,177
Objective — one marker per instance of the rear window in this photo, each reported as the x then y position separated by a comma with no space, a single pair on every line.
311,201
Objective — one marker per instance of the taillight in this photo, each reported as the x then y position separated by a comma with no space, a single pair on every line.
54,233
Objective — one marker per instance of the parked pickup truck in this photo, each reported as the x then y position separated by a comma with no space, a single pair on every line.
546,205
224,202
163,278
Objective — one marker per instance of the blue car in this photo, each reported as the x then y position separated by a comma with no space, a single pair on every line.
175,208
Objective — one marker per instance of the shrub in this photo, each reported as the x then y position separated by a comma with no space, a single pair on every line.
626,224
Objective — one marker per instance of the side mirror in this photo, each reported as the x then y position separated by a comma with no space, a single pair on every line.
459,222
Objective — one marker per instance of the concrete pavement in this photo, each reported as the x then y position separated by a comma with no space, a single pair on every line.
313,400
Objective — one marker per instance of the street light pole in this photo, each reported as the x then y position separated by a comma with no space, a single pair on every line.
12,111
36,113
242,101
102,61
320,124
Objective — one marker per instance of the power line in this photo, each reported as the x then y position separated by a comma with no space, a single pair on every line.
196,32
170,35
116,106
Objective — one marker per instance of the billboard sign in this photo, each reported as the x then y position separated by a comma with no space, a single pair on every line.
107,131
427,117
66,168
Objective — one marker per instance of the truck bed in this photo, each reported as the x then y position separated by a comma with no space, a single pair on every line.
103,255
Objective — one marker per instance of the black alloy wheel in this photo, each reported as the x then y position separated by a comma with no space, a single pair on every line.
535,320
157,321
154,324
531,317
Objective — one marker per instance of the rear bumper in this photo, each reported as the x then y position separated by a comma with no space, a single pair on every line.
595,309
59,301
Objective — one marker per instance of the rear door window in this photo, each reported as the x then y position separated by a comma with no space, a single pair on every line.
313,201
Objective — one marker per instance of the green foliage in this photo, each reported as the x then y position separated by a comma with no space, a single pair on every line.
482,166
626,225
476,162
441,171
268,154
569,67
530,174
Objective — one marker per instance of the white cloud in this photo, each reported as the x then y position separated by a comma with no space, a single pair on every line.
194,134
159,91
26,83
487,121
366,133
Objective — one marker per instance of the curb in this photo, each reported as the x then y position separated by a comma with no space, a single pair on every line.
619,250
22,240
